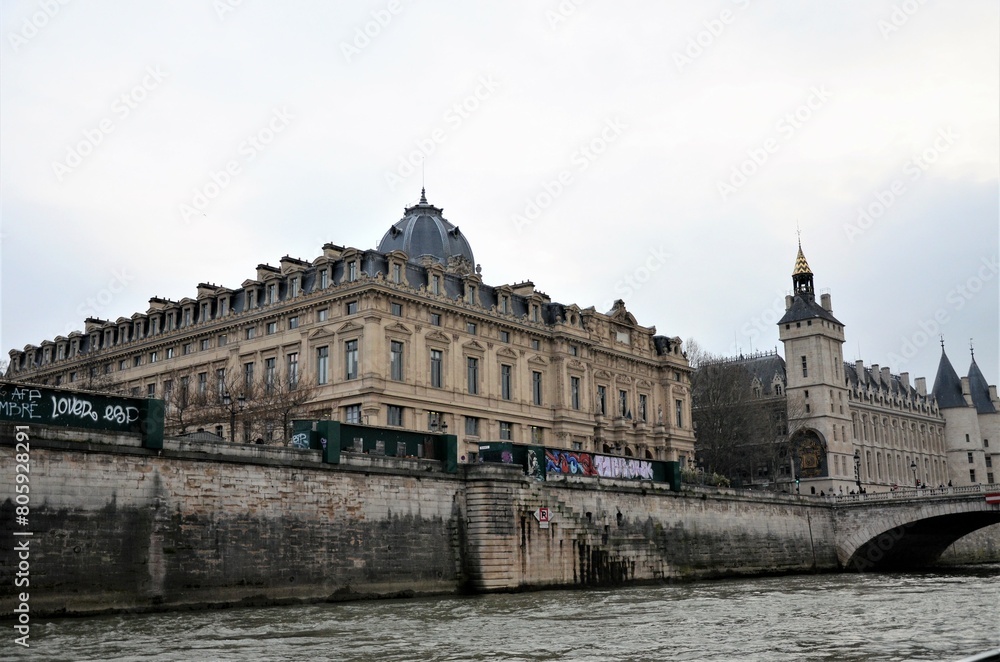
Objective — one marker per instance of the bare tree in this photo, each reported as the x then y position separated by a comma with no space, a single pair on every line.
740,431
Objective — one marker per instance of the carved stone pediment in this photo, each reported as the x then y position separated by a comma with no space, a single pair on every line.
437,336
537,360
396,327
577,364
349,327
602,374
473,346
320,333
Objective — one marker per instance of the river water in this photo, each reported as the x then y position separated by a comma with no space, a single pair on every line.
844,617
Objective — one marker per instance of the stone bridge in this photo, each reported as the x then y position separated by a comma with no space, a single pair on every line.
908,528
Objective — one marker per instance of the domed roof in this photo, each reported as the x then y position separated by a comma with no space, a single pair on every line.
424,231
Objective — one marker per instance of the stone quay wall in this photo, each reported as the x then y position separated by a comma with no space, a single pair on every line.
118,527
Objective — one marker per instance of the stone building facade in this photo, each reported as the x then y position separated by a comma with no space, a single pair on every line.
406,335
853,426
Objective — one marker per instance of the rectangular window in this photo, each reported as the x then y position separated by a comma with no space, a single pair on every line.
270,296
574,392
602,401
989,462
170,350
322,364
269,370
536,387
353,414
220,381
396,361
324,278
136,361
187,317
472,426
350,359
472,374
971,460
251,295
972,476
436,358
223,306
185,390
251,332
623,403
293,370
205,344
435,284
805,367
293,322
352,271
396,309
537,435
202,383
535,345
150,390
642,407
504,336
397,273
435,319
322,315
573,350
534,313
394,415
679,412
295,287
248,375
223,339
204,313
154,357
505,385
351,307
122,364
271,328
470,328
506,431
505,304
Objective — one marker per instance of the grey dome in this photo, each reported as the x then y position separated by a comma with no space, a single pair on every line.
424,231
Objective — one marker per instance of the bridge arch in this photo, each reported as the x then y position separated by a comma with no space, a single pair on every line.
909,532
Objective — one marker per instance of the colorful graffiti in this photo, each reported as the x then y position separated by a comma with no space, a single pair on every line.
573,463
569,463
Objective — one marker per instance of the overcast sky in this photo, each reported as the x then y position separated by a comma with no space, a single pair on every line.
663,153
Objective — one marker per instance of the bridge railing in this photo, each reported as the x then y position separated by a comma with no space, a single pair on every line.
916,492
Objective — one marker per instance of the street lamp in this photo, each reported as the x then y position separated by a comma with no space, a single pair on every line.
228,401
913,467
857,468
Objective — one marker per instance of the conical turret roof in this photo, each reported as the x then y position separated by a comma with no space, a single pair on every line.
980,390
947,386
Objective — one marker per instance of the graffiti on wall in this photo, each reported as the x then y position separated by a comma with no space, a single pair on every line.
576,463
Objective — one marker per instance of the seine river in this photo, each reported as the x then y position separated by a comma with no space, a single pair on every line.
939,616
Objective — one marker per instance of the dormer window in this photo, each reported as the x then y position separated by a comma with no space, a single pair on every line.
271,296
435,284
505,304
187,317
470,294
352,271
324,278
294,286
397,273
204,312
535,313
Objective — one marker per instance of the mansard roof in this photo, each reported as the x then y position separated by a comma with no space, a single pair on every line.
767,368
947,385
980,390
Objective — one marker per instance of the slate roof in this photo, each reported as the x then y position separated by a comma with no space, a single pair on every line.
424,231
980,390
947,385
804,307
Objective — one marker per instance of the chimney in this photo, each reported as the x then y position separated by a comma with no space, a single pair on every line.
966,391
875,373
886,376
788,302
922,385
904,377
859,367
824,300
993,396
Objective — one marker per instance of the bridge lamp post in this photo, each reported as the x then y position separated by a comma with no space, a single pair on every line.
857,468
913,467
